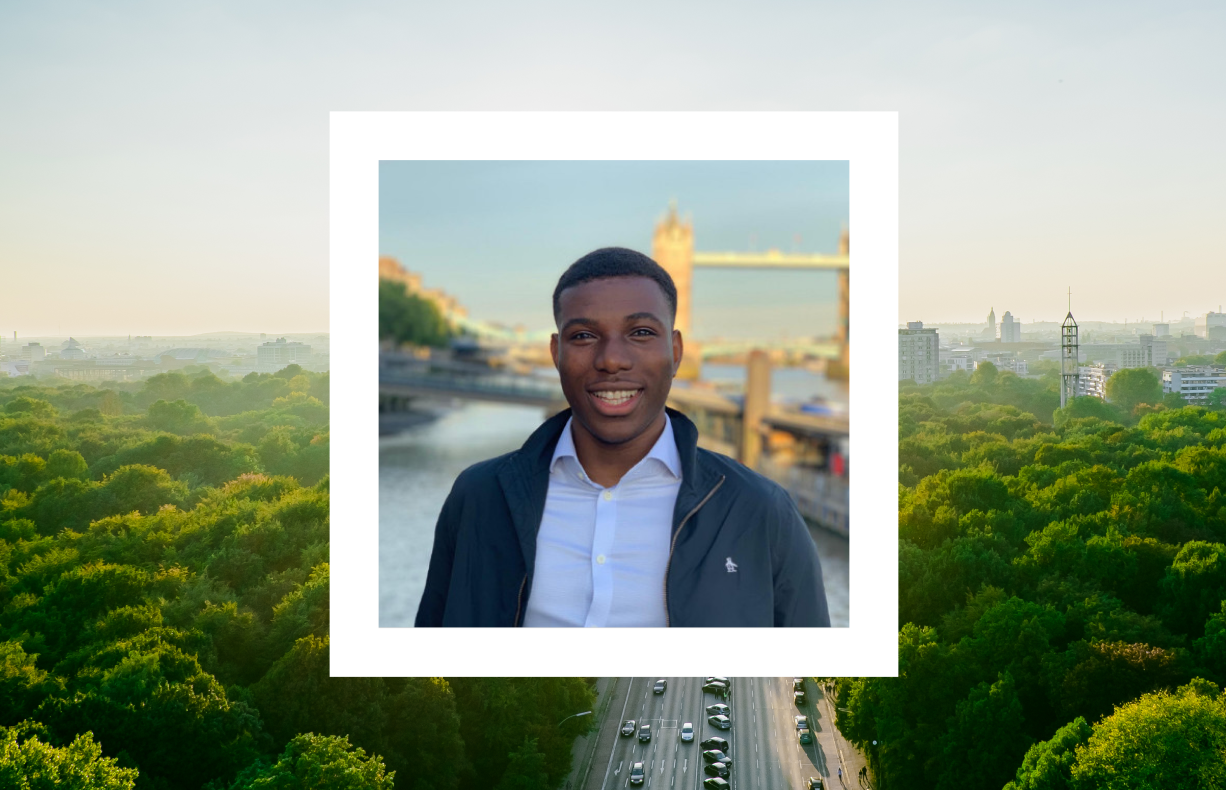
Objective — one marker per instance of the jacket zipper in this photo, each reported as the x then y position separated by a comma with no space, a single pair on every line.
519,601
671,548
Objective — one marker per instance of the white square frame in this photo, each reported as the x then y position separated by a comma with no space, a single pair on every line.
359,140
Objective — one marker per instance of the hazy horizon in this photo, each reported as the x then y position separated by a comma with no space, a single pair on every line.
166,168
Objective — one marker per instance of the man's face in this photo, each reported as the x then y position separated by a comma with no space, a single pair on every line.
616,353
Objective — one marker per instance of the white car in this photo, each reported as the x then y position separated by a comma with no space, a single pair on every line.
687,731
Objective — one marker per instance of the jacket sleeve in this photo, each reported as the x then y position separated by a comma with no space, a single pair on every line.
438,578
800,594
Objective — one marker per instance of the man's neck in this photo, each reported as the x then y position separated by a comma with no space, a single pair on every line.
606,464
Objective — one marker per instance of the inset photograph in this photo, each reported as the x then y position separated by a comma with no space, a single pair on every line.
613,393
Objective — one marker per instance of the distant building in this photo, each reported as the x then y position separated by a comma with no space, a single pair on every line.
271,357
72,349
1193,383
1145,353
33,352
1008,362
1162,330
918,353
1010,330
1207,323
1092,380
990,329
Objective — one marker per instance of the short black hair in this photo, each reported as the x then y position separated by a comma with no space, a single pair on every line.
615,262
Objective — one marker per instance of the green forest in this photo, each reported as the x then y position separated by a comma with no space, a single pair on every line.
1062,591
164,608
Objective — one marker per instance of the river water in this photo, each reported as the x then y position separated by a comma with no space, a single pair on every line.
417,468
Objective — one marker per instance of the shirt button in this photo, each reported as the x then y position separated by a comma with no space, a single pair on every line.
600,559
608,495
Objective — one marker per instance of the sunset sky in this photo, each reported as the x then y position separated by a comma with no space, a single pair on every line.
163,168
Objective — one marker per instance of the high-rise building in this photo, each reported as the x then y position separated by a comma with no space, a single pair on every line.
990,329
1207,323
271,357
918,353
1010,330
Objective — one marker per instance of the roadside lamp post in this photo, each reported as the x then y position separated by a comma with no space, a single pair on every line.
573,715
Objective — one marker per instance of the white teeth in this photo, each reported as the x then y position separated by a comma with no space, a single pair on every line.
616,397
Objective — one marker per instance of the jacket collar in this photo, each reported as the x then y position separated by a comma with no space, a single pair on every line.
525,477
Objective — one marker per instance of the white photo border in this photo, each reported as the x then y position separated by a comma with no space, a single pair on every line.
359,140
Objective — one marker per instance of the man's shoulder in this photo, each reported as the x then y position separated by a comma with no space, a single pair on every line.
482,474
744,481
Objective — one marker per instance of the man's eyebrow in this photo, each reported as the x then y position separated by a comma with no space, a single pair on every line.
591,322
581,321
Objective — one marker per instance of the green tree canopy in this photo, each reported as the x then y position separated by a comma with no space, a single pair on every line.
407,318
30,763
318,762
1131,387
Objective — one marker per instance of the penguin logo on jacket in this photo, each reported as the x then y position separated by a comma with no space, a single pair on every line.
730,565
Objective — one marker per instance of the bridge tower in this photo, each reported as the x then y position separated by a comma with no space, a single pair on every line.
672,247
844,297
1068,359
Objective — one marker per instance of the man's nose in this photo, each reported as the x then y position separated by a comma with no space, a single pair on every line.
613,355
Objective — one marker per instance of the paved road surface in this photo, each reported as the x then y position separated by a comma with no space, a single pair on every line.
765,750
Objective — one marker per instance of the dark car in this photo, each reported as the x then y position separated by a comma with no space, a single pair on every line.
660,686
714,679
645,733
718,709
716,756
715,769
715,686
715,742
798,684
628,727
723,722
804,736
636,774
800,698
813,783
716,783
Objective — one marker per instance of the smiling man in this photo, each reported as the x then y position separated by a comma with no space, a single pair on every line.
610,514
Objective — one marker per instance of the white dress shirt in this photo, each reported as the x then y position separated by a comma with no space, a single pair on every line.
601,553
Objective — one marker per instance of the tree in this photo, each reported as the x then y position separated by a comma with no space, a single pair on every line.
1161,740
406,318
1132,386
318,762
30,763
1087,406
984,375
1220,359
1048,765
526,771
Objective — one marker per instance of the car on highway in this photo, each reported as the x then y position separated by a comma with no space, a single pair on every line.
715,686
723,722
687,731
719,709
714,679
800,698
645,733
628,727
715,742
802,722
660,686
798,684
716,783
716,756
813,783
803,735
636,774
715,769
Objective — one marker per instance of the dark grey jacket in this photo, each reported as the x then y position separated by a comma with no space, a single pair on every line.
485,543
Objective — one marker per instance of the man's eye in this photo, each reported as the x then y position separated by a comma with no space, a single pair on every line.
581,336
646,332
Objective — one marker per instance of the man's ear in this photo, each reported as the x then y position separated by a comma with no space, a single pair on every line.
677,349
553,349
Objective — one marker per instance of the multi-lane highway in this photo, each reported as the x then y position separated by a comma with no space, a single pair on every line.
765,749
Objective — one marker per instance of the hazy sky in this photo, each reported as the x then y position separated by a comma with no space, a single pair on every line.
497,235
163,167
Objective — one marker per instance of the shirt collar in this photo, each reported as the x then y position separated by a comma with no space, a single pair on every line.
664,450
